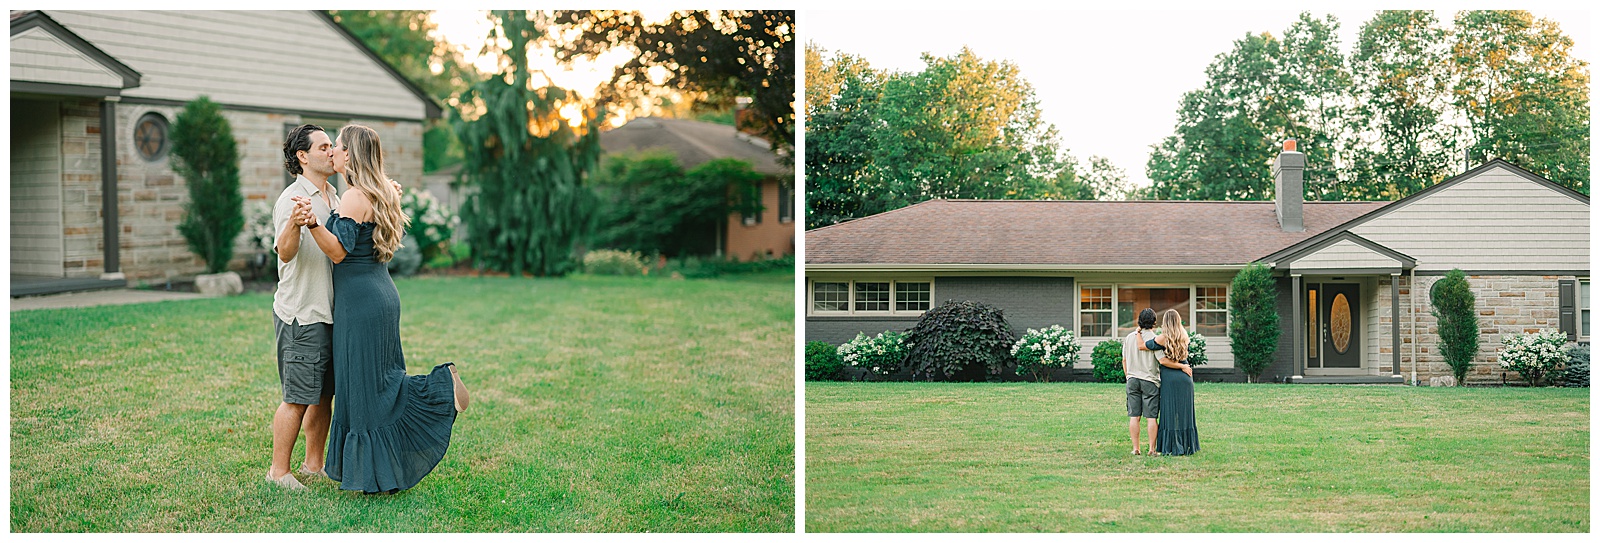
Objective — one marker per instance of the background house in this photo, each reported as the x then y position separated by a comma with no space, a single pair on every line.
1353,276
768,234
83,82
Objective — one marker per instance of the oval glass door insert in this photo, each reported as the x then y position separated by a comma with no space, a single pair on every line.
1339,323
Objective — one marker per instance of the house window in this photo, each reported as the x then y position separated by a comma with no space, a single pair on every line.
1211,310
753,195
150,136
872,297
1202,308
1094,311
913,296
830,297
876,297
786,202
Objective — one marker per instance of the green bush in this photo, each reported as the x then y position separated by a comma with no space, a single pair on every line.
649,204
958,335
432,225
883,354
823,362
1455,309
1040,351
1254,311
206,157
612,262
407,259
694,267
1107,360
1576,374
1535,356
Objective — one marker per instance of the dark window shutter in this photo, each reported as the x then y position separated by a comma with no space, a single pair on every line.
1569,304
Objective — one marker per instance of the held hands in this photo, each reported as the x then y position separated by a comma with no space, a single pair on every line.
302,214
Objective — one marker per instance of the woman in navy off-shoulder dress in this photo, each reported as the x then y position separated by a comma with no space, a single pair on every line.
1176,433
389,429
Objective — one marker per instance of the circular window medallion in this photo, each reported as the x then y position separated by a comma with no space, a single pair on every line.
1339,323
150,136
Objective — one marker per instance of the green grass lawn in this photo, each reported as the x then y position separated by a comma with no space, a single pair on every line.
599,404
1031,457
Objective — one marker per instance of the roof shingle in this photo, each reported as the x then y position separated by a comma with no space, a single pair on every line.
1054,233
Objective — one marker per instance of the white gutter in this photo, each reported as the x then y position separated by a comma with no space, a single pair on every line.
1020,267
1413,326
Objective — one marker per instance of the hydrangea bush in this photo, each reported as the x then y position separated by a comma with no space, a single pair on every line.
882,354
431,224
1534,355
259,227
1040,351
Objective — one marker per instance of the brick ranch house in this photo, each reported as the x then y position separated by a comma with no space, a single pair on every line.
767,234
83,82
1353,277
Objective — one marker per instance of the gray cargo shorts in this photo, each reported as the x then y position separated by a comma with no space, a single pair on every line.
1144,398
305,361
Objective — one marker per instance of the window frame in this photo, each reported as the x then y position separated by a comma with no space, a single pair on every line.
850,301
1190,319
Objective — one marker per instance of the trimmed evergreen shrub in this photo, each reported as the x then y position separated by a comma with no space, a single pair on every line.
1576,374
206,157
822,362
1107,360
959,335
1254,310
1456,310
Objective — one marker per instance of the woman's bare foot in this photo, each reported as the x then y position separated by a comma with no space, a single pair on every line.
462,399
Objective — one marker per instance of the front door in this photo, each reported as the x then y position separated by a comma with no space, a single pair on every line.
1341,325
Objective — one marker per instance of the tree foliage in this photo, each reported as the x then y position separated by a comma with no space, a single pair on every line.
960,339
719,55
405,40
1398,114
525,164
962,127
1455,309
1253,327
205,155
649,204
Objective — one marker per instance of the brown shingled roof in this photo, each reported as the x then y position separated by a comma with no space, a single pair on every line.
693,142
1093,233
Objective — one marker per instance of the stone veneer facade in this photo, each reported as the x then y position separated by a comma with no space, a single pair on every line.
1506,305
150,197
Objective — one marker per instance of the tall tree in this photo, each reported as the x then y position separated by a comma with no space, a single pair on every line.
1260,93
1106,180
963,127
1526,99
842,95
1400,142
525,162
405,40
720,55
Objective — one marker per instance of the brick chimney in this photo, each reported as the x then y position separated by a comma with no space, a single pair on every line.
1288,179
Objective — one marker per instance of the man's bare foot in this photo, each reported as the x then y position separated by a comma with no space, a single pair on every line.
319,472
462,399
287,481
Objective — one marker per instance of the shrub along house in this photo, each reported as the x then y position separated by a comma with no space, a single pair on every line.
83,82
1353,277
767,234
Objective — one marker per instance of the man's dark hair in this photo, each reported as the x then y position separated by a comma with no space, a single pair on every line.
1147,318
299,140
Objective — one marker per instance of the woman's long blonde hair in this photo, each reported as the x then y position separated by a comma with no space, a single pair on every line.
365,172
1177,337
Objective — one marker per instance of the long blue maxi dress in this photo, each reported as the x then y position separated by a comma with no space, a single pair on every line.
1176,433
389,429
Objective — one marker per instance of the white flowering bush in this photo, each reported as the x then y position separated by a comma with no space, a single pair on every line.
882,354
1197,348
258,226
1534,355
1040,351
431,224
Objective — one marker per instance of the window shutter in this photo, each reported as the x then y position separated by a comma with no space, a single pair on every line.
1569,316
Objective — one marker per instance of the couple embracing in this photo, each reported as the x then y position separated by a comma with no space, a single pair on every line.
337,316
1161,385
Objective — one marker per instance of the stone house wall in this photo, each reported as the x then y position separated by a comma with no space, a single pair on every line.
1506,305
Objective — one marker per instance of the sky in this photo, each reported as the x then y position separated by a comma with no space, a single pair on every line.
1110,81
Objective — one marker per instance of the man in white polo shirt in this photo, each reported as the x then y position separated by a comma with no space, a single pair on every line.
1144,380
302,307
